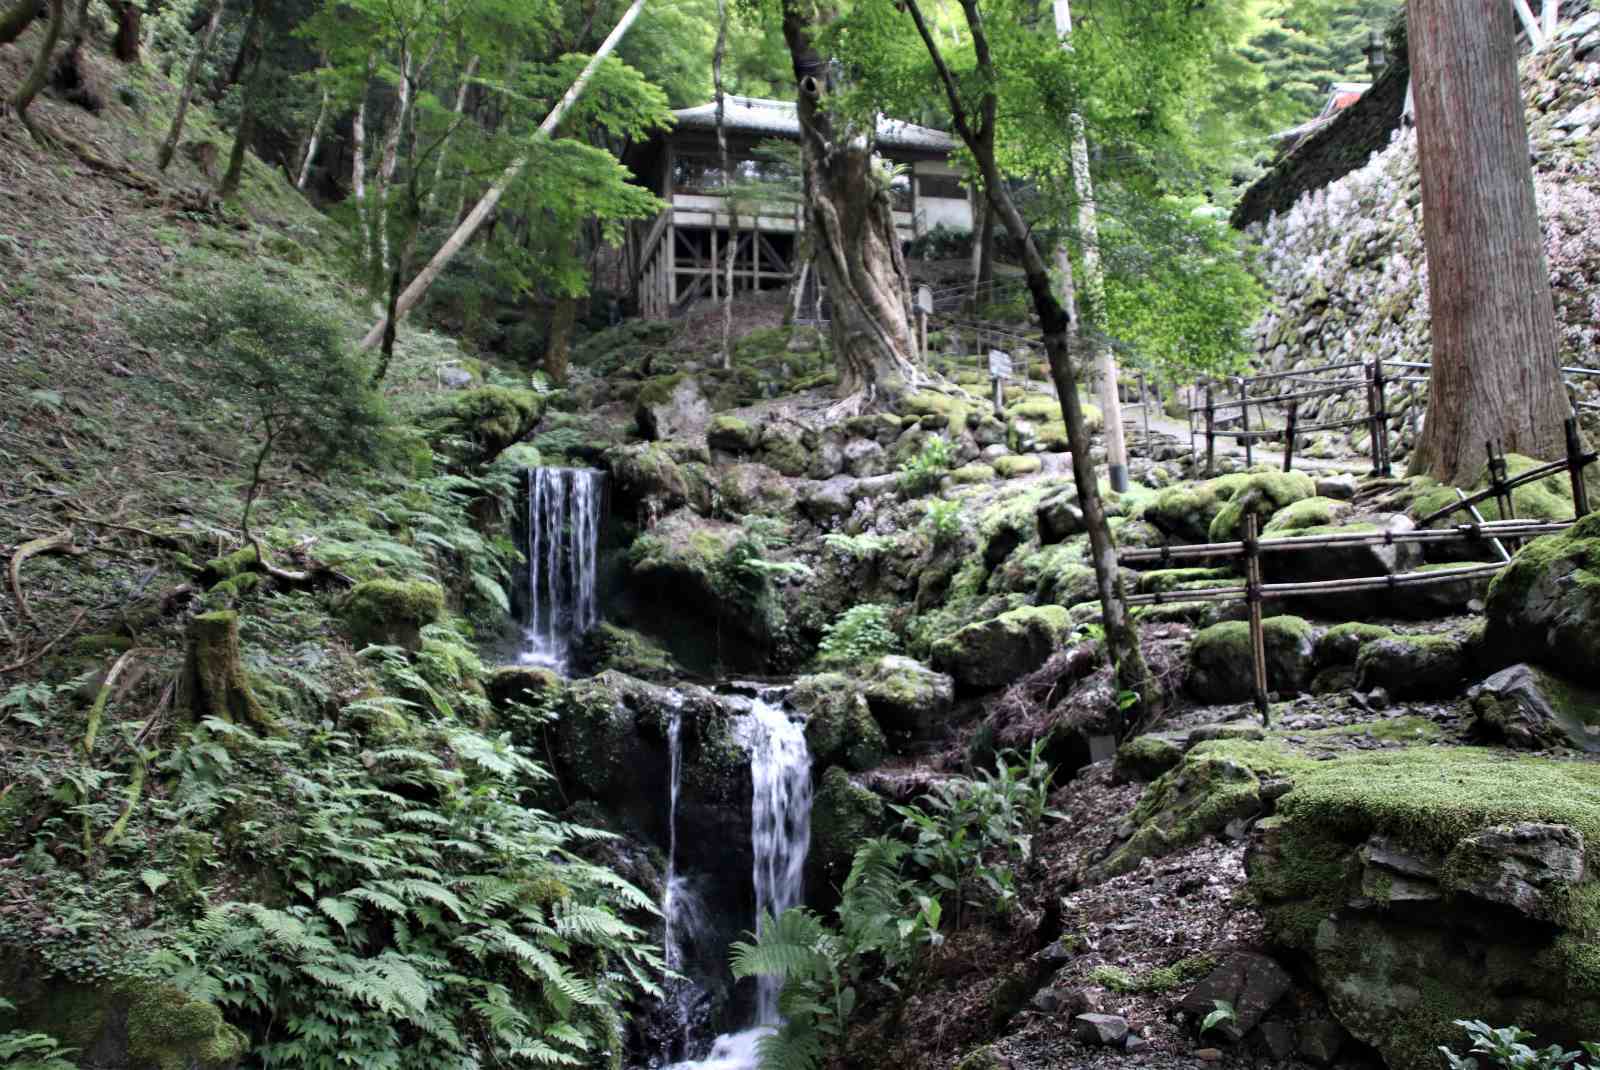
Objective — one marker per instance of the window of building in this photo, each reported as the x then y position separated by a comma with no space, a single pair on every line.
940,186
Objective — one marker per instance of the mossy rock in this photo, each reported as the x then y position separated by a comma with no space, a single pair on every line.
670,406
971,473
1339,645
391,612
1430,884
1164,580
1014,466
732,434
1549,498
1545,606
999,651
908,697
952,411
840,729
610,646
135,1023
1220,659
1184,512
1415,666
645,477
843,814
1306,513
1528,707
1263,494
1144,758
783,447
493,417
521,683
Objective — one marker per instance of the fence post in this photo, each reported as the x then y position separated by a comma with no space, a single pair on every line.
1372,421
1258,642
1288,437
1244,420
1211,433
1497,480
1381,418
1580,490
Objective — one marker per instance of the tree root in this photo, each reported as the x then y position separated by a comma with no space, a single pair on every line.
51,544
103,699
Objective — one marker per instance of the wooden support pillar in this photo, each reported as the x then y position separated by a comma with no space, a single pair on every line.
1580,490
1244,422
1380,441
1258,642
1211,433
1288,436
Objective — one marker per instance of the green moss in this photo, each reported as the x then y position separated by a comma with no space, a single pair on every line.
730,433
1221,657
843,814
1341,644
169,1030
90,645
1174,579
627,651
1160,979
933,403
839,726
1549,498
1408,729
494,417
658,389
972,473
1185,511
1146,758
228,566
1035,408
1012,465
1414,666
391,611
1306,513
1263,494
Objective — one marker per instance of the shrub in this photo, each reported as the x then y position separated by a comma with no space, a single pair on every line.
1505,1048
944,522
858,634
922,473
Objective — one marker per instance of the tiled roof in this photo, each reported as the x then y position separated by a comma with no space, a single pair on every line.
780,118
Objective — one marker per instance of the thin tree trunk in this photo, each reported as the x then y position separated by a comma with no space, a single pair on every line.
460,109
857,248
41,69
236,70
1495,342
358,167
202,50
388,158
1121,637
486,204
247,108
980,208
1094,285
797,290
126,46
311,143
559,345
729,196
16,18
983,286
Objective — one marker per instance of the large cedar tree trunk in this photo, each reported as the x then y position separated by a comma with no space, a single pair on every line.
856,248
1494,331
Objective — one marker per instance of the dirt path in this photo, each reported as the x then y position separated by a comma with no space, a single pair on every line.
1262,453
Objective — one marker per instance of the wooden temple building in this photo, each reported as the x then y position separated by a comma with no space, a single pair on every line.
681,255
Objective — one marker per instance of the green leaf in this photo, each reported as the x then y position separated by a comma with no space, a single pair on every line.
154,880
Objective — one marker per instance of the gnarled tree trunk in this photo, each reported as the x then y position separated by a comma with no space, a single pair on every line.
856,249
1495,345
23,99
202,50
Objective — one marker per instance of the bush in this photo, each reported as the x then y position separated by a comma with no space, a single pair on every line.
944,522
1505,1048
859,634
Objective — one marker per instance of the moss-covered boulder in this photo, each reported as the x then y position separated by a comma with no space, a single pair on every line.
1183,513
1059,517
1350,561
1144,758
1549,498
784,448
843,814
491,418
1432,884
391,612
1001,650
1015,466
1261,494
1167,580
971,473
732,434
1221,660
135,1023
908,697
1339,645
671,406
840,729
1315,512
1415,666
645,480
1525,706
527,684
610,646
1545,606
754,490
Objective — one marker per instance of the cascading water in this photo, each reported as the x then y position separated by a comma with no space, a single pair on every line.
682,911
780,835
563,539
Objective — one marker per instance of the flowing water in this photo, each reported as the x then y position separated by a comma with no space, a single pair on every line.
682,910
564,506
780,834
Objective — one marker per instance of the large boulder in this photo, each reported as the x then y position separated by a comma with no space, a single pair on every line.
907,696
843,814
1415,666
1059,517
1221,660
645,480
1524,706
1426,885
671,406
1261,494
840,729
1545,606
1001,650
492,418
1184,513
117,1022
732,434
391,612
1343,562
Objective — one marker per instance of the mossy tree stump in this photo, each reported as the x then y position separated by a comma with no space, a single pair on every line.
214,683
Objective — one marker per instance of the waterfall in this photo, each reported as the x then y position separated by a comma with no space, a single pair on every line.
682,911
780,822
780,834
563,538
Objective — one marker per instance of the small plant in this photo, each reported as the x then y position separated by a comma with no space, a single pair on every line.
1222,1015
859,634
943,522
922,473
32,1051
1506,1048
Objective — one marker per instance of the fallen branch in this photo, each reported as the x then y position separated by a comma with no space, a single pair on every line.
159,539
30,659
53,544
97,711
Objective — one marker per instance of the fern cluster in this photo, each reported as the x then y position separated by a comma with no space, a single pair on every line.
859,634
922,473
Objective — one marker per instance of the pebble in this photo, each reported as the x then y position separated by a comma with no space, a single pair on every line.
1209,1055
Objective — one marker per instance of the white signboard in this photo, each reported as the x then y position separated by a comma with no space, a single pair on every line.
999,364
924,300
